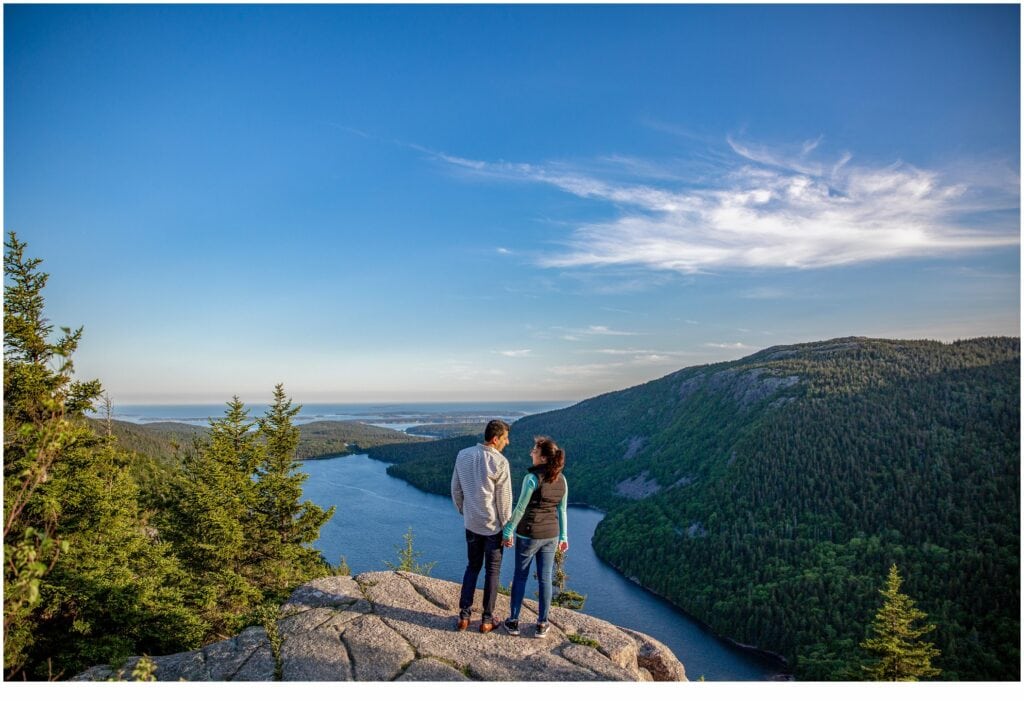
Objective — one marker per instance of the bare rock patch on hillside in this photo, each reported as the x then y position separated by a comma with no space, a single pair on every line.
639,487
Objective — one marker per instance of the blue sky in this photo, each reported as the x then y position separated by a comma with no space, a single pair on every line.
374,203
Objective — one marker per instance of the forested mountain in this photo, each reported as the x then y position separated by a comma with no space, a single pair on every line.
769,496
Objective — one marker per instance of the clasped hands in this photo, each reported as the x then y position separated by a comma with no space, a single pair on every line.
510,541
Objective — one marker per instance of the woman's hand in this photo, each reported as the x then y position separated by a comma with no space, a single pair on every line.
563,546
508,542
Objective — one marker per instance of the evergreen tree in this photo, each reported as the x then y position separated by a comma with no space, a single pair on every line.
211,521
285,525
120,591
84,581
408,557
901,655
36,398
566,598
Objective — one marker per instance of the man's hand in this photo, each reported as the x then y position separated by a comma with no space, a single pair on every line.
508,542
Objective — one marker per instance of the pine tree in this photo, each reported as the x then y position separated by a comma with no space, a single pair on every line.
895,642
565,598
408,557
120,591
285,524
211,521
83,580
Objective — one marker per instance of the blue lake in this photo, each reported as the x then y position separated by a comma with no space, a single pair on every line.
374,510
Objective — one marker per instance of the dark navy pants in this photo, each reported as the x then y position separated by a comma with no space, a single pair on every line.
481,550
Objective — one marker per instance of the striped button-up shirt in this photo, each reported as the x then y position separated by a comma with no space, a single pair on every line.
482,489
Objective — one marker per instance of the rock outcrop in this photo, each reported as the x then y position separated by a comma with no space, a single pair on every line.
639,487
399,626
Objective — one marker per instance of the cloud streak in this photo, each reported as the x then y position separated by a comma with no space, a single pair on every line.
730,346
515,353
635,359
605,331
775,208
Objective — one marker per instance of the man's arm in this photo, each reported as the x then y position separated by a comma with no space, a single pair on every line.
457,495
503,492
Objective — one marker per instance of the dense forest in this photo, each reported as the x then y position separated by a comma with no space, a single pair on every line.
770,496
109,552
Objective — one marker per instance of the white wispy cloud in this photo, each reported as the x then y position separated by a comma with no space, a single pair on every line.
515,353
638,359
778,158
730,346
616,351
611,282
639,353
605,331
503,251
351,130
577,334
777,208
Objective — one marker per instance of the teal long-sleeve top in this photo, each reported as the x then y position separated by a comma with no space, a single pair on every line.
529,485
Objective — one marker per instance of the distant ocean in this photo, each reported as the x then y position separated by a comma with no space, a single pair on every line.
398,416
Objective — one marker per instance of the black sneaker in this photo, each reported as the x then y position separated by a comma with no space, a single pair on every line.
511,627
542,630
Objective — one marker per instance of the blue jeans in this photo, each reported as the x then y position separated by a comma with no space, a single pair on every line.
481,550
527,550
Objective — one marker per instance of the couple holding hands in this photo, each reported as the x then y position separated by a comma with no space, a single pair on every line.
482,492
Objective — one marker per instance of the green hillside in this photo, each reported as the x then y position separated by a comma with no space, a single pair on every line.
326,438
769,496
162,441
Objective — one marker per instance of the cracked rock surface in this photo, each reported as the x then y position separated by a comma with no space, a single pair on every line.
399,626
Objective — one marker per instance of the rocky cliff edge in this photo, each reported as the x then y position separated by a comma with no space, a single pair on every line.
398,626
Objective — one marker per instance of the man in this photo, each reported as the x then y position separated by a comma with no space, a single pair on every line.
482,492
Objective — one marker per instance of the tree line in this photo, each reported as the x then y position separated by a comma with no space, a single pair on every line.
108,553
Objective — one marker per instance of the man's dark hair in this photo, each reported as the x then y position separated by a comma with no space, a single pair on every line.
494,429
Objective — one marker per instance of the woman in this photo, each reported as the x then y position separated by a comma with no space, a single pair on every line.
539,520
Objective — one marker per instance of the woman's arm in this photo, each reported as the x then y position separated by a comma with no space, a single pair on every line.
529,484
563,519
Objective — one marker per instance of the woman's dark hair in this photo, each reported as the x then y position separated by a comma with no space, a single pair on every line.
554,457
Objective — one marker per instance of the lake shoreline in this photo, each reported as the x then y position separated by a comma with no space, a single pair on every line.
774,658
767,655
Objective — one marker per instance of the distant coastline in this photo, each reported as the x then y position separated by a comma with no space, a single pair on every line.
385,414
